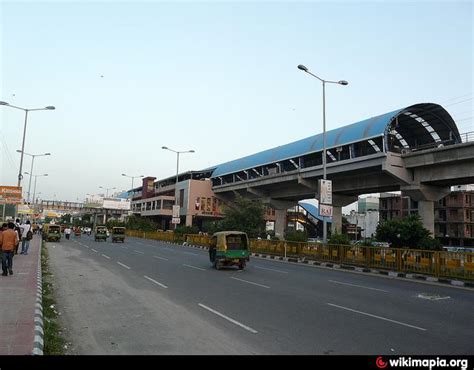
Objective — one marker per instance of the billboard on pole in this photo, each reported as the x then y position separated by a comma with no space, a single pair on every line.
325,191
116,203
10,194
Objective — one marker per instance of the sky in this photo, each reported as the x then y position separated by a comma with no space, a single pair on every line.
219,78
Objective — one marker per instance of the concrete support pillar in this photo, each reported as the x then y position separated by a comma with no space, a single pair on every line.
280,223
105,218
336,226
426,212
189,220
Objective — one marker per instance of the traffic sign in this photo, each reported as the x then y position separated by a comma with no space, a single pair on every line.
176,220
325,191
325,210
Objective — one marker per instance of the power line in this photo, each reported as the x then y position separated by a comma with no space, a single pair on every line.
459,97
459,102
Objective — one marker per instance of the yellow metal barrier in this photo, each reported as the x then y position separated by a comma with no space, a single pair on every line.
437,263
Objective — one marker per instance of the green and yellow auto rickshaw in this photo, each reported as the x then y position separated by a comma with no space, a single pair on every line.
100,233
229,248
51,233
118,234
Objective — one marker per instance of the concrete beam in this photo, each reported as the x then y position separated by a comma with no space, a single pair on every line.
422,192
308,184
259,193
280,204
339,200
394,166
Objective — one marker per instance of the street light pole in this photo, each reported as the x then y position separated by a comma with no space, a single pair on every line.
31,170
133,178
26,110
34,188
107,190
177,172
341,82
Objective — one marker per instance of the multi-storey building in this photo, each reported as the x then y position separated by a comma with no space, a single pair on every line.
453,214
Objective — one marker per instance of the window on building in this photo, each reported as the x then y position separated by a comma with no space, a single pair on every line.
467,214
181,198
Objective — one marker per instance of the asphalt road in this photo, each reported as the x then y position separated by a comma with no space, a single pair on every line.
150,297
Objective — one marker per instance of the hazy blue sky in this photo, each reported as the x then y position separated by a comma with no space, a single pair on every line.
216,77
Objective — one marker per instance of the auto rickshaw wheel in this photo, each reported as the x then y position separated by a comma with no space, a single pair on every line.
241,265
217,264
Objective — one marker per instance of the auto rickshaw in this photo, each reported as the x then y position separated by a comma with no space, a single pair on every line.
229,248
51,233
100,233
118,234
77,232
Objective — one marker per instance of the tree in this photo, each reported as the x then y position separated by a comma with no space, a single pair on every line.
245,215
140,223
297,236
339,239
406,232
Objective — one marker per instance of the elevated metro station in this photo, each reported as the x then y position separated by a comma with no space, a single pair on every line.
416,149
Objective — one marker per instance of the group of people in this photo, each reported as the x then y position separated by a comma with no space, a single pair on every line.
10,236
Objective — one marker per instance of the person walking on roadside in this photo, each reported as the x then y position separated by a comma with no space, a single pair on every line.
67,232
2,229
26,236
9,240
18,231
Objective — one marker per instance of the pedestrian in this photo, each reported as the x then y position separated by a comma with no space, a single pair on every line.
67,232
9,240
2,229
18,231
26,236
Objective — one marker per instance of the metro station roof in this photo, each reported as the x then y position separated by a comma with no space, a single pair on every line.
417,125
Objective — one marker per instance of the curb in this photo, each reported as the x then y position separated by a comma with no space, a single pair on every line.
395,274
39,333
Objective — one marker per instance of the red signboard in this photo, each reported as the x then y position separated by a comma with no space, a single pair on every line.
10,194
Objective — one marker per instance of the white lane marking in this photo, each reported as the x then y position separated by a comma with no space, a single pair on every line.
87,247
228,318
123,247
377,317
138,252
194,267
194,254
121,264
250,282
265,268
106,256
358,286
161,258
93,250
154,281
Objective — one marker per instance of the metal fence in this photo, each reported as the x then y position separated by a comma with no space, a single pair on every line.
436,263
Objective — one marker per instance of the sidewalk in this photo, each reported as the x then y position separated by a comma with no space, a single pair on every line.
18,297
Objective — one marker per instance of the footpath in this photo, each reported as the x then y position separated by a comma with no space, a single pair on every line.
21,315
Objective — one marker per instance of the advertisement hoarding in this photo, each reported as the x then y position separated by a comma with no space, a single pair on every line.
325,191
116,203
10,195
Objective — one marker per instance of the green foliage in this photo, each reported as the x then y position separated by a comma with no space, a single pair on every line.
296,236
115,223
140,223
245,215
186,230
339,239
406,232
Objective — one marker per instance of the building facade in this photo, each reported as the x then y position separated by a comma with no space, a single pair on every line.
453,214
